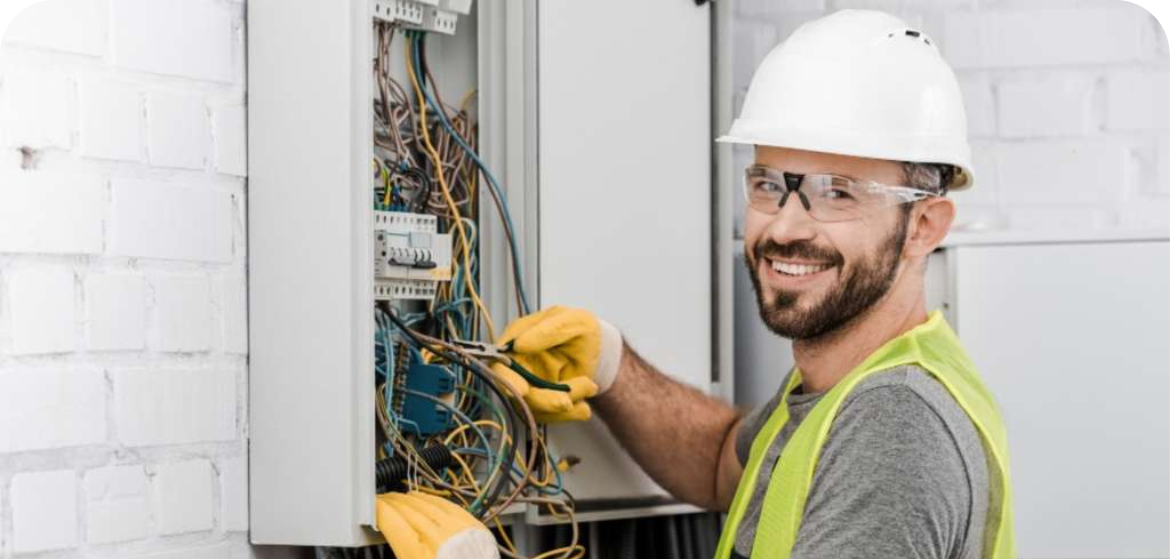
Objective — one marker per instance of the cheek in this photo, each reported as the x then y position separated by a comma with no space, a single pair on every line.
853,240
753,229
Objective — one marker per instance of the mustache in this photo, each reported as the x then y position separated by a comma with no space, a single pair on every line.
804,250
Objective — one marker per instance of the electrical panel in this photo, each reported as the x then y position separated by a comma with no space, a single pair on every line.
401,214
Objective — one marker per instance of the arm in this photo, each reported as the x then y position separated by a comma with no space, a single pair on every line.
683,438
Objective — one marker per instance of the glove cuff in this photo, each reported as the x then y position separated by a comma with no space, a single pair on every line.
611,356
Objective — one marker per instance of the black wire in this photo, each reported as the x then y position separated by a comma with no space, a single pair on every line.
473,366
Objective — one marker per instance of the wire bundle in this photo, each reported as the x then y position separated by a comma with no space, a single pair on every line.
426,162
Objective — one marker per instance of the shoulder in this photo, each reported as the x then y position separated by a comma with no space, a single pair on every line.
905,414
901,468
907,400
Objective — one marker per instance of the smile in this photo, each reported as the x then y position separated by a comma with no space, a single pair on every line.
792,269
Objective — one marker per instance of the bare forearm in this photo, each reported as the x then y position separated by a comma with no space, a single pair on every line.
675,432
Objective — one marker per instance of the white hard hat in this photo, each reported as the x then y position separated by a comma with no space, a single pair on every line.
862,83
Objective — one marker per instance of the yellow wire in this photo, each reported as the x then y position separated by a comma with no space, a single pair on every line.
447,197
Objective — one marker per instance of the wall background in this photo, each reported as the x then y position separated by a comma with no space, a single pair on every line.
123,342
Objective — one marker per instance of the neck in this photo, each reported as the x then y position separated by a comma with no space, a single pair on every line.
825,360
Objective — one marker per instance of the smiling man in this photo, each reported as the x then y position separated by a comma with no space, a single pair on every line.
883,441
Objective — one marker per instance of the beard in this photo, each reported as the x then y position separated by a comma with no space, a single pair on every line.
858,289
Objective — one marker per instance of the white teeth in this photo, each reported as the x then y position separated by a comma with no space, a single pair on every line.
797,269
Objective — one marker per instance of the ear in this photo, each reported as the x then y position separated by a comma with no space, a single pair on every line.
929,223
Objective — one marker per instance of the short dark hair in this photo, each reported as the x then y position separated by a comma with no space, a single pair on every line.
931,177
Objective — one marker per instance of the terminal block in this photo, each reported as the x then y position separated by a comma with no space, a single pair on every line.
404,11
410,255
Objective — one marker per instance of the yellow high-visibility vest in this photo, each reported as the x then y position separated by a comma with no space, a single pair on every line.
932,346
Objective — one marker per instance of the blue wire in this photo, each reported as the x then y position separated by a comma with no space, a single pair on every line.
416,38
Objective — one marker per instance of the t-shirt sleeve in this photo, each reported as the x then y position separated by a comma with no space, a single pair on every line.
890,482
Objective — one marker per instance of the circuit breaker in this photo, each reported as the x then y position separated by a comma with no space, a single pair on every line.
420,177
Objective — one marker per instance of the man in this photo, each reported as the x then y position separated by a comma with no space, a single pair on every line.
883,442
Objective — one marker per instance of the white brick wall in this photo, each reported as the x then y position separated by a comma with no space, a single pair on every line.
44,510
117,505
152,407
45,212
123,326
1068,103
51,408
182,497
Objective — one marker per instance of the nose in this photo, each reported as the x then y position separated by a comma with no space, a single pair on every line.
792,222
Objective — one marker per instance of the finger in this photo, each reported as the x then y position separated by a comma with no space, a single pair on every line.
429,532
581,388
557,330
398,533
579,412
525,323
513,379
443,513
542,400
548,365
455,514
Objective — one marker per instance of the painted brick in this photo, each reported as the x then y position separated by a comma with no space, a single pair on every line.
183,497
1051,106
1044,37
73,26
174,407
51,213
1137,100
176,37
234,301
1063,173
218,551
47,409
170,222
40,301
773,11
35,108
980,105
183,304
116,304
44,511
1060,219
749,45
233,474
231,145
110,119
117,504
178,129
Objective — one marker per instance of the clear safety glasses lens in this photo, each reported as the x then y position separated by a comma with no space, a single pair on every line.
826,197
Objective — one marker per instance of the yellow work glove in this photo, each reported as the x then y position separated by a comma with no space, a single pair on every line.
565,346
422,526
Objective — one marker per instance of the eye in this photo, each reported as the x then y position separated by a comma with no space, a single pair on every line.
838,194
766,186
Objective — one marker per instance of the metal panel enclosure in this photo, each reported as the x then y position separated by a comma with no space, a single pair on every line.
1082,376
625,196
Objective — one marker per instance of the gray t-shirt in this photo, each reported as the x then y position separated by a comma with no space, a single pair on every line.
903,474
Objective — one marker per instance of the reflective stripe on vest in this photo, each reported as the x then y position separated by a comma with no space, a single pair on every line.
932,346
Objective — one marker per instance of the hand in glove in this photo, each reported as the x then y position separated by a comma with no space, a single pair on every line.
564,346
422,526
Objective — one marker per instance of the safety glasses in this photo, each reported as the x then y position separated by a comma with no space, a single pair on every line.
826,198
